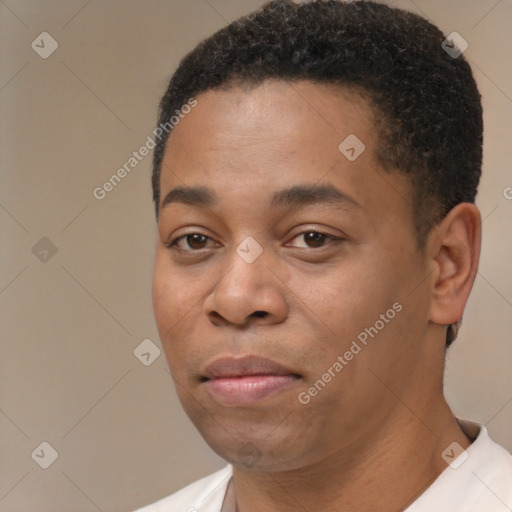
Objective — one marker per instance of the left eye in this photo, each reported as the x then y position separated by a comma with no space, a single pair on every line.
316,239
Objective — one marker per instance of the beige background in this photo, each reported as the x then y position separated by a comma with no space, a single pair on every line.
68,374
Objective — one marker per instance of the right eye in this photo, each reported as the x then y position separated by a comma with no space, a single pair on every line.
191,239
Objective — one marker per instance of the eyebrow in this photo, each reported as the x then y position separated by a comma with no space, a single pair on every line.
293,197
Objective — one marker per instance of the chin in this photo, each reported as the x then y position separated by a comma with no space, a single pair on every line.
254,446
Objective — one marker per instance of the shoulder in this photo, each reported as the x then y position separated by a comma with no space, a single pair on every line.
204,495
480,478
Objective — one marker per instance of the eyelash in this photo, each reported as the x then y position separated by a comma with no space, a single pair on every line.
173,243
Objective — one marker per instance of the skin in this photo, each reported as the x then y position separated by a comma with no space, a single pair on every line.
372,438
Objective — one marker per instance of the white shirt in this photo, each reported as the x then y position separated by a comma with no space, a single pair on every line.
481,482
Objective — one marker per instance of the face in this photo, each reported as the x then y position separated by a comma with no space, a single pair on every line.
289,298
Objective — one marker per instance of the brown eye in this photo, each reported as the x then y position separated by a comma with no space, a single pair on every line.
315,239
195,241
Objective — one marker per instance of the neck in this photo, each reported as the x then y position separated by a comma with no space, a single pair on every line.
385,471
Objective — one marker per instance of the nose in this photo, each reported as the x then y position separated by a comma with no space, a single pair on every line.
247,293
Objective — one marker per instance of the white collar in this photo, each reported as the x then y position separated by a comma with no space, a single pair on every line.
478,479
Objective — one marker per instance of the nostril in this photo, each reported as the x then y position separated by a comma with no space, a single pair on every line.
259,314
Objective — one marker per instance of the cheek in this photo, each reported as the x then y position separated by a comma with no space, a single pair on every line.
344,299
167,312
173,299
162,296
171,292
348,302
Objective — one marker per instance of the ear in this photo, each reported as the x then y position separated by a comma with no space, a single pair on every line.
454,247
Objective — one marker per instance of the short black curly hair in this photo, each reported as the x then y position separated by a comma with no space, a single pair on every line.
427,103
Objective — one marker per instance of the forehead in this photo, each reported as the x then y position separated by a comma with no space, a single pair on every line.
275,112
249,142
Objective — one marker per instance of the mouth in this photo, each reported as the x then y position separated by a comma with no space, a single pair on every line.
236,382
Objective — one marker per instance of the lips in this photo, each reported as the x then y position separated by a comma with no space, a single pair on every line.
244,381
244,366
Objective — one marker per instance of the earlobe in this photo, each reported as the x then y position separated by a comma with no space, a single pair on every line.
455,251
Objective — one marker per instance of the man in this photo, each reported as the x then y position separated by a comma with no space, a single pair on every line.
317,244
